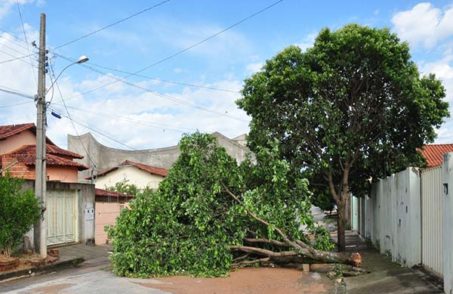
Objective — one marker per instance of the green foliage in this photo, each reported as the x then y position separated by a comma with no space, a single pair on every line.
353,106
124,187
189,223
19,210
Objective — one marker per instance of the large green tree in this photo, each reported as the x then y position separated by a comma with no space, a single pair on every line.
351,108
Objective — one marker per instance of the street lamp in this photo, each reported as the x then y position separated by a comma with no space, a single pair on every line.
82,59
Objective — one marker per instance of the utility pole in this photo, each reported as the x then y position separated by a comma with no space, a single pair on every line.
40,230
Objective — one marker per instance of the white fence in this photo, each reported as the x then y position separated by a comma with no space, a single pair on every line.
432,219
409,216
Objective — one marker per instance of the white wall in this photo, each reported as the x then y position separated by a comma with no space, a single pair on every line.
134,176
393,221
447,174
432,219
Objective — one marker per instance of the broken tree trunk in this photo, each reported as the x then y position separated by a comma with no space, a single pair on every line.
292,248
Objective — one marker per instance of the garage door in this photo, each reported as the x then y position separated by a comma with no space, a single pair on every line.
61,216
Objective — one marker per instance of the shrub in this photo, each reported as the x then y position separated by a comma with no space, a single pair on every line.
19,210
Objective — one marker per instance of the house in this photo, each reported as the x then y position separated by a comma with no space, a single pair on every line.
70,205
18,155
135,173
99,157
434,153
109,204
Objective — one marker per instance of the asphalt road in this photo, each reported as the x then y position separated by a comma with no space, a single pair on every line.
93,276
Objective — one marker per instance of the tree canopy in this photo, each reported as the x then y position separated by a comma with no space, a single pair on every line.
353,106
210,214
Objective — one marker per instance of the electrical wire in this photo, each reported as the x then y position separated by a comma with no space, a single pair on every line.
165,96
15,92
191,46
93,164
14,105
209,37
99,132
168,97
16,58
26,41
113,24
125,118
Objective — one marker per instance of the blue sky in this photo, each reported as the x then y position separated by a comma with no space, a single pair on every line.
158,116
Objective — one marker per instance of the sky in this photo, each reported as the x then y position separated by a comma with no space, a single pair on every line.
195,55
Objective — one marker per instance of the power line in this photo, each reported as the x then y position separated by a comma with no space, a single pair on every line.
116,116
94,168
189,47
209,37
16,58
168,97
99,132
26,40
14,92
114,23
150,78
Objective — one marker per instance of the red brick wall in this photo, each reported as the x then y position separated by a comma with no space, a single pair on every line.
17,169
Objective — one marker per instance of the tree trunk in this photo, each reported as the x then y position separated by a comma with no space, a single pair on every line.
341,226
348,214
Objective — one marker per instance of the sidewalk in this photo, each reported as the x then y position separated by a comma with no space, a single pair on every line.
70,256
386,276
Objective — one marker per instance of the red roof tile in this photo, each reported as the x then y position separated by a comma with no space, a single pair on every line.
147,168
11,130
27,155
105,193
433,153
7,131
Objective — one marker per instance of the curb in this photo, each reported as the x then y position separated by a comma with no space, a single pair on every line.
43,269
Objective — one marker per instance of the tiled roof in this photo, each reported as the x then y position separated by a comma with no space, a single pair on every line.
11,130
53,149
27,155
105,193
147,168
433,153
7,131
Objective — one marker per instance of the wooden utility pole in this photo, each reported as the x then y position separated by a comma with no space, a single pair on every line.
40,231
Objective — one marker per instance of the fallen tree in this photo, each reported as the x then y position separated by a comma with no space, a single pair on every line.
210,215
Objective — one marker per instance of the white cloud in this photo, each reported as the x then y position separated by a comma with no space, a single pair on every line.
254,67
307,42
7,5
424,24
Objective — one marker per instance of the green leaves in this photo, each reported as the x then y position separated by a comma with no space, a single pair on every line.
355,97
19,210
188,225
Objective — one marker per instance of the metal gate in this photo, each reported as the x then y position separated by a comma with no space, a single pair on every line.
432,219
61,215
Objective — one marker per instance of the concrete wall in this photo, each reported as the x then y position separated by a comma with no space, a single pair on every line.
105,157
86,207
132,174
394,221
447,175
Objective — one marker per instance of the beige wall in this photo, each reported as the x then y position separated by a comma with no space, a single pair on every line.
14,142
63,174
106,214
134,176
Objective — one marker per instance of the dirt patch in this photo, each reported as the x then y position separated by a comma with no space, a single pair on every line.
247,281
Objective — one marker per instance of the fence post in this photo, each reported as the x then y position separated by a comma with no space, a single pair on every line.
447,176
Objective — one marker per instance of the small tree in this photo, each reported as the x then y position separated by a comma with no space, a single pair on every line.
19,210
351,108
